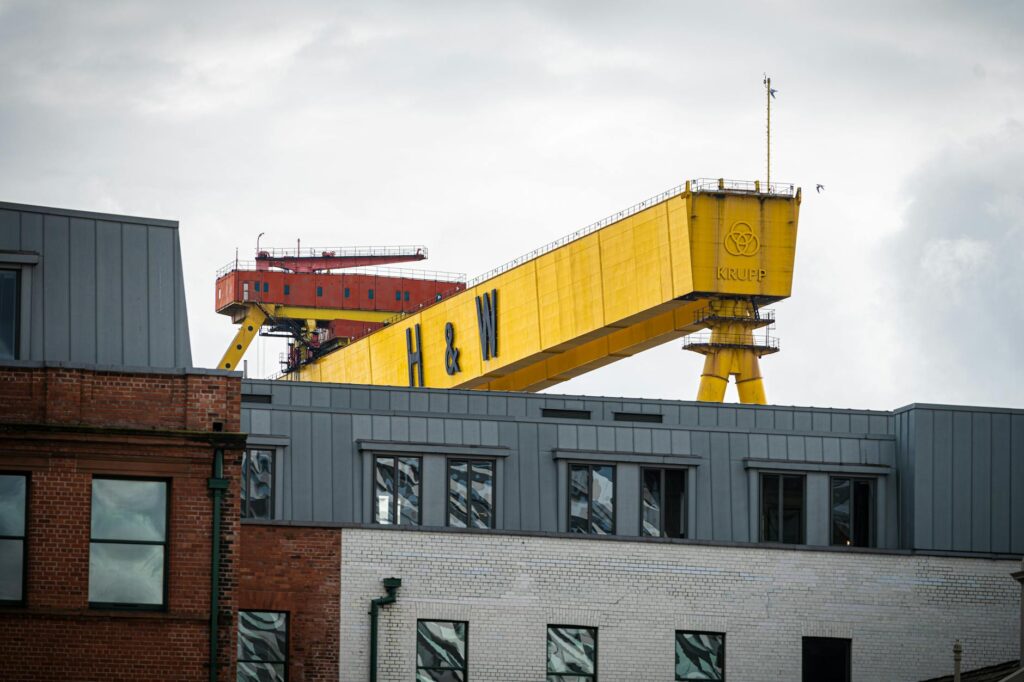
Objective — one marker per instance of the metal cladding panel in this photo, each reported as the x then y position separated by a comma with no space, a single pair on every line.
105,289
924,459
960,473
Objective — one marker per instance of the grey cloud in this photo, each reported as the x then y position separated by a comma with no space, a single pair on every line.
957,272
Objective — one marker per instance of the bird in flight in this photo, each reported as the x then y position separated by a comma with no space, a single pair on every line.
772,91
819,188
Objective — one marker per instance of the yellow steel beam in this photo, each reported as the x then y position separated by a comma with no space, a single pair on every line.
294,312
247,331
633,284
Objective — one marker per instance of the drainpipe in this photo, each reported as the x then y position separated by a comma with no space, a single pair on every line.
391,585
1019,577
218,484
957,652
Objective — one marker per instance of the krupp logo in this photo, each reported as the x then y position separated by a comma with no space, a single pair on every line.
741,240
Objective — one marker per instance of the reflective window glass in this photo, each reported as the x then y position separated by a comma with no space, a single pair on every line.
470,493
127,548
851,512
663,503
700,656
397,490
592,499
782,508
9,312
572,654
441,651
13,492
258,484
262,646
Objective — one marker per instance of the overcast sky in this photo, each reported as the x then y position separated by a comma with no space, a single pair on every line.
486,129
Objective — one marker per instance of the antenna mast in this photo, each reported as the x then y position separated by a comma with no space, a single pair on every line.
768,102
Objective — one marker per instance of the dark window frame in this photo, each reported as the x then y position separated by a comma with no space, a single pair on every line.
24,539
287,289
287,639
319,292
590,498
123,606
469,471
597,658
872,509
347,292
685,520
848,672
395,457
465,646
18,274
700,632
273,481
803,506
639,417
561,413
369,294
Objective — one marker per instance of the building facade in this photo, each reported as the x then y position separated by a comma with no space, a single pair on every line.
763,531
163,522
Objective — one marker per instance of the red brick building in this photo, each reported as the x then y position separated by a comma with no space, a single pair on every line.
119,483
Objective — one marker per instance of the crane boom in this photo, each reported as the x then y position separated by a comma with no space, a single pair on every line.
641,278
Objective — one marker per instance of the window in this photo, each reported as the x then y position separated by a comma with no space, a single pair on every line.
851,512
637,417
826,658
369,294
663,503
319,291
258,484
262,646
592,499
407,295
287,289
266,287
782,508
552,413
700,655
13,492
347,292
9,296
398,295
441,650
470,493
398,490
128,543
572,654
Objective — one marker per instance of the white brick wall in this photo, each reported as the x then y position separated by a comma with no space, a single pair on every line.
902,612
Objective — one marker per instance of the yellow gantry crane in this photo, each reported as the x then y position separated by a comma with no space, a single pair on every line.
698,261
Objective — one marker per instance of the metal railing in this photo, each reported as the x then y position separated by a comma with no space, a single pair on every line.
341,251
764,316
758,341
371,270
744,186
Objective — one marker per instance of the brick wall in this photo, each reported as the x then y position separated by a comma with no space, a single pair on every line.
296,570
901,611
63,426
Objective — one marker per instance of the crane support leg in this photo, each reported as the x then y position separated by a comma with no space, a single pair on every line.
254,319
732,352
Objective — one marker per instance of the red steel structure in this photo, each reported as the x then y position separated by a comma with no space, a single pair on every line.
300,293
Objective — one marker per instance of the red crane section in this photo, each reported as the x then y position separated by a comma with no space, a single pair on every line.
321,298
